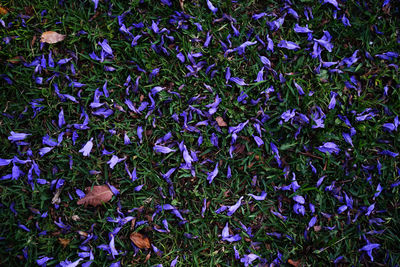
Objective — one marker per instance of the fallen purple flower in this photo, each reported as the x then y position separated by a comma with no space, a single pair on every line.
248,259
368,248
106,47
300,29
163,149
232,209
260,197
211,7
329,147
213,174
45,150
227,237
85,150
114,160
332,2
17,136
288,45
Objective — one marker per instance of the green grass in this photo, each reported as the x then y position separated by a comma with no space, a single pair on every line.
349,169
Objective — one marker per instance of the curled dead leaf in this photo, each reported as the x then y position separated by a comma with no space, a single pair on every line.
51,37
82,233
221,122
56,198
140,240
3,10
147,257
64,242
317,228
96,196
294,263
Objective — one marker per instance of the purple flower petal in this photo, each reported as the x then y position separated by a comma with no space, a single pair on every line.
114,160
113,251
298,87
238,81
232,209
332,102
248,259
241,49
211,7
347,138
258,16
5,162
212,174
17,136
288,45
342,209
312,222
106,47
85,150
258,140
163,149
299,199
174,262
138,188
300,29
329,147
260,197
45,150
389,153
332,2
368,248
289,114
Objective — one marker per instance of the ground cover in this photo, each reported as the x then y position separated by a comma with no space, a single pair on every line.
199,133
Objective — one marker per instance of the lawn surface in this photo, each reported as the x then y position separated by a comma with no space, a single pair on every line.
222,133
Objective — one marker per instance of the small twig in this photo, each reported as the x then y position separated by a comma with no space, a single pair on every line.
310,155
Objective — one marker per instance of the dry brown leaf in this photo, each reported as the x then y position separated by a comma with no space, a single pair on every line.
64,242
82,233
16,60
147,257
33,40
96,196
51,37
294,263
3,10
221,122
140,240
317,228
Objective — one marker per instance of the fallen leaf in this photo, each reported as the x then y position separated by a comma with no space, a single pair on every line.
294,263
147,257
56,198
29,10
82,233
16,60
3,10
64,242
140,240
317,228
133,222
96,196
51,37
57,233
221,122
